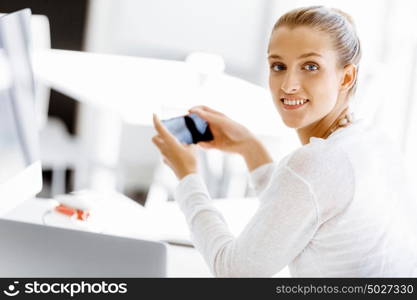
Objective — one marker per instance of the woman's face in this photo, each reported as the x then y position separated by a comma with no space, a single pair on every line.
303,69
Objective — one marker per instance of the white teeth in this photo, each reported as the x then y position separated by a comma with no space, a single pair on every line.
295,102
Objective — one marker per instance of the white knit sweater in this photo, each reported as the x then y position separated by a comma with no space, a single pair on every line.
336,207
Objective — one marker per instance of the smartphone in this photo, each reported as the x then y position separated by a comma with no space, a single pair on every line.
189,129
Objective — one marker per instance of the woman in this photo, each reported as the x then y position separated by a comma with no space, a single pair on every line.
333,207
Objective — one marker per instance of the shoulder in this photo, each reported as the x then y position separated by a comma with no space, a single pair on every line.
317,157
327,168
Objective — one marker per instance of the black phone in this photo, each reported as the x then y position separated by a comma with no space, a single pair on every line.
189,129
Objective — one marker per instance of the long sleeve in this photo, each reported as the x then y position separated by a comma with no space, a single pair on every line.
284,223
261,177
332,208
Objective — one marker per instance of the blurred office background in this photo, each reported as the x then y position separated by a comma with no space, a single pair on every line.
237,32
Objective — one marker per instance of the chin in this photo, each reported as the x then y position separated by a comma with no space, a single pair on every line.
293,123
290,122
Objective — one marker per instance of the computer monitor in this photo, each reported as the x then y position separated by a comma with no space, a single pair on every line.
20,167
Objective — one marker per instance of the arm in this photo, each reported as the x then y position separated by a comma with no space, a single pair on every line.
255,154
259,163
284,223
261,177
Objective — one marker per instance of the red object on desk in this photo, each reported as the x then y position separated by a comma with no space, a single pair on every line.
69,211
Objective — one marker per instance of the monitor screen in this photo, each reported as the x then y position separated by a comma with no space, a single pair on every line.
12,158
16,94
20,171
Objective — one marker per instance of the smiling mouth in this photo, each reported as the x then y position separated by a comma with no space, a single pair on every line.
294,104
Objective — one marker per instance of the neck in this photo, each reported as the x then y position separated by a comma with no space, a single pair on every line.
325,126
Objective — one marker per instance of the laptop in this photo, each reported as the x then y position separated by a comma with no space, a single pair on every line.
33,250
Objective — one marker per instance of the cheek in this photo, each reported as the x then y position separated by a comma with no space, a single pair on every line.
323,89
274,87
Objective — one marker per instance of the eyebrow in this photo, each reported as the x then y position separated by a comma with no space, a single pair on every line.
301,56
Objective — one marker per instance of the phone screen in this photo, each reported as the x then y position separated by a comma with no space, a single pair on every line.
189,129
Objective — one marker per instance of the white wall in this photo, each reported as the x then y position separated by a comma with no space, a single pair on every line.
236,29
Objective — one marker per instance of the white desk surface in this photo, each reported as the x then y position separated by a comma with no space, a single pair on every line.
143,223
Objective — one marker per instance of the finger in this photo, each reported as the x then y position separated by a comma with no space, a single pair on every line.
191,147
205,145
159,143
207,109
157,140
205,115
196,107
165,161
161,129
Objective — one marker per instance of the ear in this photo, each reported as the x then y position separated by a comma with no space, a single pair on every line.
349,76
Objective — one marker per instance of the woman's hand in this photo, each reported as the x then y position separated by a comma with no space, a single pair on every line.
182,159
231,136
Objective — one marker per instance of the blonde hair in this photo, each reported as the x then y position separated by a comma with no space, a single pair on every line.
338,24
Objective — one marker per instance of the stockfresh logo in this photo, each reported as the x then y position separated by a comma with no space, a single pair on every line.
11,290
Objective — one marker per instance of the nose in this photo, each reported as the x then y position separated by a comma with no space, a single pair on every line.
290,84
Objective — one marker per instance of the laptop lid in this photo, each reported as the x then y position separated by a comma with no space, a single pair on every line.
31,250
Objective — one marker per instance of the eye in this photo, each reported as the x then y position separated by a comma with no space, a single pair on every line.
311,67
277,67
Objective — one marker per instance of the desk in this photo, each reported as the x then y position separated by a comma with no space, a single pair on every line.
138,222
